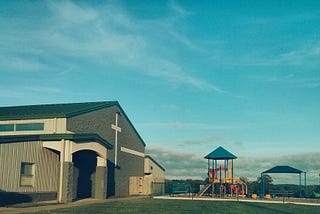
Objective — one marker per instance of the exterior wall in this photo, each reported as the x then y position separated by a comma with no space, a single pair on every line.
154,170
46,167
130,165
154,174
51,126
99,122
144,185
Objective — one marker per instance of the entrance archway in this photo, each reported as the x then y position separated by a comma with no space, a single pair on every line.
82,165
85,162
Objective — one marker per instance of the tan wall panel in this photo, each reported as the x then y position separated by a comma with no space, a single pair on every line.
139,186
51,126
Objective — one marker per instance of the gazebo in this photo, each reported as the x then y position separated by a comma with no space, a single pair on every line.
287,170
220,154
221,172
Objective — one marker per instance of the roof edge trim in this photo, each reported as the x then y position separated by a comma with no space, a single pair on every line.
42,137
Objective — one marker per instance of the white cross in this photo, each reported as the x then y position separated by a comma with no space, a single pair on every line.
117,129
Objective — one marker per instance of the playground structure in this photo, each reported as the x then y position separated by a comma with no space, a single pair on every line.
221,175
222,181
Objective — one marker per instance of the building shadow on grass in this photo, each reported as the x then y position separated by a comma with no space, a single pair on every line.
9,198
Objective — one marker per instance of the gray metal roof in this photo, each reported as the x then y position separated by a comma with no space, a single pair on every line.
51,110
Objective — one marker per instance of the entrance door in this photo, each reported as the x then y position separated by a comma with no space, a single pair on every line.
85,163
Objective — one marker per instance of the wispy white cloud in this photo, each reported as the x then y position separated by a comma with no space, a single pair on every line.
297,79
105,35
194,126
305,56
69,12
18,91
17,63
188,43
32,94
313,84
178,9
202,141
169,106
42,89
283,19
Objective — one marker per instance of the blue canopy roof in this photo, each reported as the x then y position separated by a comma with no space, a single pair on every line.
220,154
283,169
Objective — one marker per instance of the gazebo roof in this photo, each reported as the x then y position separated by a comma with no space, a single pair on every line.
220,154
283,169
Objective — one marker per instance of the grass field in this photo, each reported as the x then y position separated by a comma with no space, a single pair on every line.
148,205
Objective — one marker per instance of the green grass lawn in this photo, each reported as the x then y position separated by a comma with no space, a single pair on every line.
148,205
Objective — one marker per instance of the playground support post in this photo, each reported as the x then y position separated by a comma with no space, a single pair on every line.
305,184
209,170
220,175
262,183
225,171
300,193
213,167
232,170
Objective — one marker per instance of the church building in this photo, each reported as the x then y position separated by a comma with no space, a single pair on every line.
70,151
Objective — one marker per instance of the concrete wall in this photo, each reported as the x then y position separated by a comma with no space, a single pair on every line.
46,167
99,122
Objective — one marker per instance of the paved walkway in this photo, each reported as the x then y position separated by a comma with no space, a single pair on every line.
45,205
240,199
53,205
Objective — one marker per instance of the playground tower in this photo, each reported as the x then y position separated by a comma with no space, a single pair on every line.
221,174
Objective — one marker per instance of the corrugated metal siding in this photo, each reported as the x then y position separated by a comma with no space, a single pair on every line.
46,167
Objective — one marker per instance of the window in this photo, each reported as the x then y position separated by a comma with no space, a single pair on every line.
6,127
22,127
30,127
27,174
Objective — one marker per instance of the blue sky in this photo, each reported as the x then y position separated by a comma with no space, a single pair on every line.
191,75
